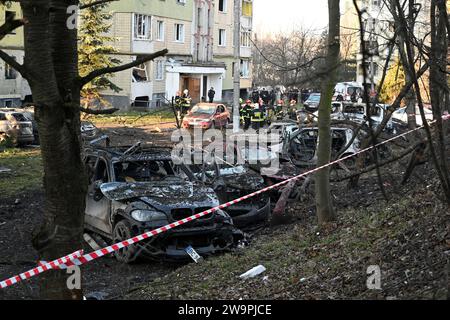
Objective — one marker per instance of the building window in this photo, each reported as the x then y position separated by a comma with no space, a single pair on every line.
247,8
140,73
222,5
142,27
159,70
222,37
245,39
160,30
9,15
10,72
245,68
179,32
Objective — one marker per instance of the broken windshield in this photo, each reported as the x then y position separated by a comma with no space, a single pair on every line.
143,171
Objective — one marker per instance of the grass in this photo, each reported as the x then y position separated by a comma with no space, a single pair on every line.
26,174
303,261
134,118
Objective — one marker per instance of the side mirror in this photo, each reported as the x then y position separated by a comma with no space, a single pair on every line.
97,192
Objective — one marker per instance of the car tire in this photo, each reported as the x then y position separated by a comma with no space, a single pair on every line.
122,231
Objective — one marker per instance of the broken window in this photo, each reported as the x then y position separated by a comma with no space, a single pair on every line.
222,5
159,70
142,27
245,68
245,39
140,73
9,15
179,32
10,72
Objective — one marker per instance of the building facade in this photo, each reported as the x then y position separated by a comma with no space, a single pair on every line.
13,88
378,27
199,37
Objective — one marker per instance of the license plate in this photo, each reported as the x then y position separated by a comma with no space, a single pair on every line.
193,254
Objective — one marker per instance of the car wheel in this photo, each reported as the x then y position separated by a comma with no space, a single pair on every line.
122,231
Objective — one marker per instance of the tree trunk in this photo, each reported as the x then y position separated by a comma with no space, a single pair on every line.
50,48
325,210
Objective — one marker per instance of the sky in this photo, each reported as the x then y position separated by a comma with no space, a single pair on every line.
272,16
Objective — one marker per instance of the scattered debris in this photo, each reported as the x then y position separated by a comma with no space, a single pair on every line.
5,170
91,242
253,272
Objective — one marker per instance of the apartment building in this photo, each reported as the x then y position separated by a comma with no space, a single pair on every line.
379,29
199,37
224,48
13,88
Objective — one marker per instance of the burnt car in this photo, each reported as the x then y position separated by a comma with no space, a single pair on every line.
16,127
134,190
232,180
207,116
301,147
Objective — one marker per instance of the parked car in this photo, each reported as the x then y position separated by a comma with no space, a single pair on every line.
134,190
312,103
16,127
346,91
206,116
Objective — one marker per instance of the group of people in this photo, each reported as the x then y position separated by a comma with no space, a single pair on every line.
260,113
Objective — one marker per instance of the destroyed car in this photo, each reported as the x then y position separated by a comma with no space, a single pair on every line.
135,190
301,148
232,180
16,127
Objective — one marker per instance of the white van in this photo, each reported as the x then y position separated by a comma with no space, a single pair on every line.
344,91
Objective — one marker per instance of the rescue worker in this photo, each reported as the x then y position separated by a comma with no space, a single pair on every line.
185,102
177,105
270,114
279,109
246,114
293,109
257,117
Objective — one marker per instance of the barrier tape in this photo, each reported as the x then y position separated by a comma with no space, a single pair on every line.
78,259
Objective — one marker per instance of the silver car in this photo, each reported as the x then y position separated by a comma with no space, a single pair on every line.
16,127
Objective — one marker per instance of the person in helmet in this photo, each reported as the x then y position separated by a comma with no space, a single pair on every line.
185,102
257,117
246,114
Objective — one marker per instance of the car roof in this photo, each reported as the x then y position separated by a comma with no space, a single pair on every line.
146,153
209,104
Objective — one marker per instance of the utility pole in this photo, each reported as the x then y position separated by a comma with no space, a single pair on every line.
237,64
372,39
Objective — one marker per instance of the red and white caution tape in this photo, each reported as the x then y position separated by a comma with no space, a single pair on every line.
78,259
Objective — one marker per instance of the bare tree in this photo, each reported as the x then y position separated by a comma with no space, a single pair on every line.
51,68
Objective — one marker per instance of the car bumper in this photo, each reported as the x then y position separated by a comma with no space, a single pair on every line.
206,240
248,216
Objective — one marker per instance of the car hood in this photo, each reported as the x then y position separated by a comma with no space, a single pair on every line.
200,117
166,193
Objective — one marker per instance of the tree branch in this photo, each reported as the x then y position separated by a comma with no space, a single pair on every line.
97,73
97,112
9,26
95,3
13,63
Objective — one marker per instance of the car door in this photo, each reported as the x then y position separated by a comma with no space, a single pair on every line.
98,207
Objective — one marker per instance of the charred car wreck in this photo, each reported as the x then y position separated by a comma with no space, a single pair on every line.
138,189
